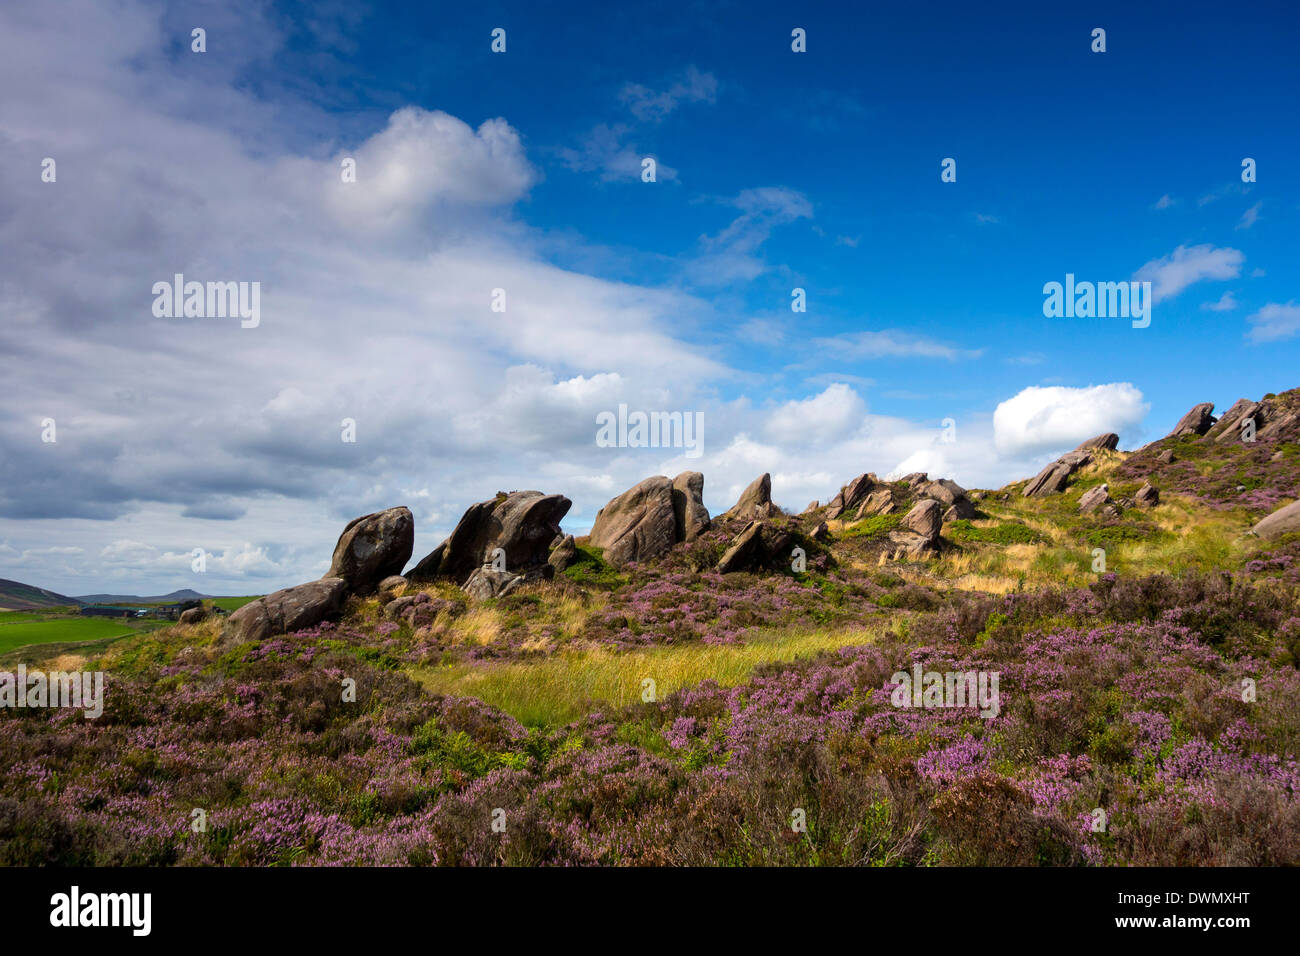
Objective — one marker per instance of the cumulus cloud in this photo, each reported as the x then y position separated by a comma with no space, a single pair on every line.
1274,322
1171,274
1047,419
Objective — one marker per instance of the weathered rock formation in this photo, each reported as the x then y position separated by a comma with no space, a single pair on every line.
691,518
755,502
1053,479
372,548
760,545
292,609
637,525
1282,521
522,524
919,534
1198,421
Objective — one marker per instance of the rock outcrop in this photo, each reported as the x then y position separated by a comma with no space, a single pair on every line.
637,525
522,524
755,502
919,534
1148,496
372,548
291,609
1107,441
759,546
1284,520
1053,479
1198,421
850,497
564,554
690,516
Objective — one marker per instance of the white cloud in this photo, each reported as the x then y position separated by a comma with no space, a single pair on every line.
1274,322
891,343
1226,303
1250,216
694,86
1171,274
1165,202
1056,418
835,413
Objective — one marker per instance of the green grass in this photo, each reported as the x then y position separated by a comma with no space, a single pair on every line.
59,629
872,527
14,617
233,603
561,687
1007,532
590,569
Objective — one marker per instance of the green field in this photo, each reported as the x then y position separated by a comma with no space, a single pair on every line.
14,634
233,603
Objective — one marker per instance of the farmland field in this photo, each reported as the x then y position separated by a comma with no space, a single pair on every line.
54,629
233,603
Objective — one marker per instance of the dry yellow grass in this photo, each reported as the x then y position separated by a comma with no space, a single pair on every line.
564,685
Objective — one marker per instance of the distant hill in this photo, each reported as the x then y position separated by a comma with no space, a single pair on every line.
184,594
24,597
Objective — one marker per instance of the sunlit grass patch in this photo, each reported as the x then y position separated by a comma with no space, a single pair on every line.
563,686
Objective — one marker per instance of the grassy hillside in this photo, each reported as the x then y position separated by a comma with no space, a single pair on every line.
15,596
669,714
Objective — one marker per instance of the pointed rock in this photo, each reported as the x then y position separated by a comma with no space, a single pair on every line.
755,501
690,515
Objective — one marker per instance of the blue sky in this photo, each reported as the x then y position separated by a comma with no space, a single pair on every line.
1062,156
818,170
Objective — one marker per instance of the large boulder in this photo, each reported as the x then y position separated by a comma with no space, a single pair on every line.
639,524
943,490
1228,428
963,509
1094,499
564,554
925,518
760,545
1053,479
486,583
1107,441
372,548
522,524
690,517
289,610
745,553
1198,421
1148,496
1284,520
755,502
